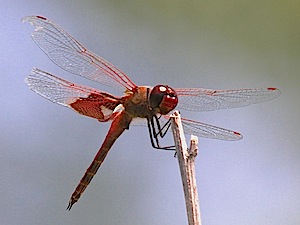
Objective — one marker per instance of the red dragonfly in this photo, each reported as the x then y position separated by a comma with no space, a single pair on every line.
152,104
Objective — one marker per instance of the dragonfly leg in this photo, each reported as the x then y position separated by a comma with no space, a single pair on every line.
159,132
162,131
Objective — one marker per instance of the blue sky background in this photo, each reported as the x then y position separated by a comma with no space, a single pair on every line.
45,148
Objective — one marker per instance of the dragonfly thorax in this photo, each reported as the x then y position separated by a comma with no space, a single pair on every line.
163,98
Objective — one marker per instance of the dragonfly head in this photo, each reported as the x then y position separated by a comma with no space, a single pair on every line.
163,98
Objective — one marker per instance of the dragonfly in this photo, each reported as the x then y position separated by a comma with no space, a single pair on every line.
153,105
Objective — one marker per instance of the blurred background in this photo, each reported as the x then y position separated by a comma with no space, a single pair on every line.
46,148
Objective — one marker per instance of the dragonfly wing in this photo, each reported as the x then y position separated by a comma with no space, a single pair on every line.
209,131
199,99
139,122
70,55
84,100
205,130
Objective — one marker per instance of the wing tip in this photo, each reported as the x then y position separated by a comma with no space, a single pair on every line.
237,136
34,75
27,19
30,19
28,80
274,90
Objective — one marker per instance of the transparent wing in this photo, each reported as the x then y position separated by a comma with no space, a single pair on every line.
139,122
70,55
199,99
84,100
207,131
196,128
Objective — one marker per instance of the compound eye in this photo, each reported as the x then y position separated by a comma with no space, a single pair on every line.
163,98
156,96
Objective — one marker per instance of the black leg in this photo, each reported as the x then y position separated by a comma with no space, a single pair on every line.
160,133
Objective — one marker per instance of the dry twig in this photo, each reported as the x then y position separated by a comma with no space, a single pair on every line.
186,159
